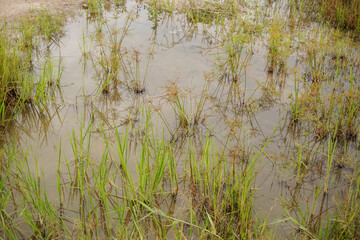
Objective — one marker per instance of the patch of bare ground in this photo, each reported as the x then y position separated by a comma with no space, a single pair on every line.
12,9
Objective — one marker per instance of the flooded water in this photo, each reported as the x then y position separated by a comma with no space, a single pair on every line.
118,65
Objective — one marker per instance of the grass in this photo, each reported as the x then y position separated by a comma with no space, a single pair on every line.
94,7
279,46
189,112
342,13
156,8
12,78
314,218
19,84
233,60
330,114
117,202
117,66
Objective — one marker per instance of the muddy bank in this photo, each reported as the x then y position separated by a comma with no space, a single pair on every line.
12,9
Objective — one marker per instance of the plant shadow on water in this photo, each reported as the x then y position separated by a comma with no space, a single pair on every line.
149,121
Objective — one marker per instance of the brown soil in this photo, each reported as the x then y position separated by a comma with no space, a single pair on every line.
11,9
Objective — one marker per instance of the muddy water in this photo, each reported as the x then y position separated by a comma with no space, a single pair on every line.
170,51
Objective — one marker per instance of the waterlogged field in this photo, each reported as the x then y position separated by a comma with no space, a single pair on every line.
181,120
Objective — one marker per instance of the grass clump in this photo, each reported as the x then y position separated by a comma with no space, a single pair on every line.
188,116
343,13
16,80
156,7
332,113
345,224
117,66
222,191
279,43
234,53
327,213
40,25
19,84
212,12
94,7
